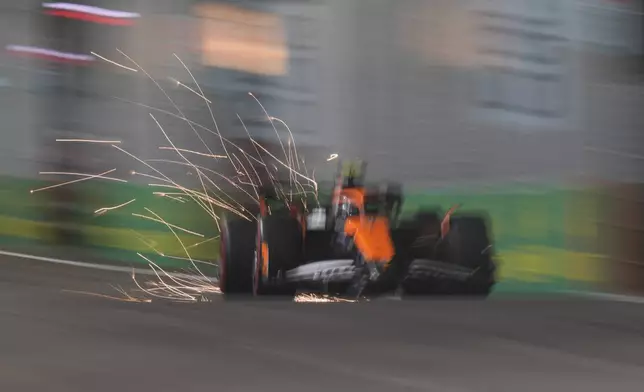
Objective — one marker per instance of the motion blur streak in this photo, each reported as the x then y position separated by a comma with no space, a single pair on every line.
130,128
529,111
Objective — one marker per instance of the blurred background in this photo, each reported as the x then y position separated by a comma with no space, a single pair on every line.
527,109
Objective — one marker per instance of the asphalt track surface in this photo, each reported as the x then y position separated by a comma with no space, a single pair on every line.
59,337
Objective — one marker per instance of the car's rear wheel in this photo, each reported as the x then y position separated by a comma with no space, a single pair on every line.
428,225
237,254
279,249
415,238
468,244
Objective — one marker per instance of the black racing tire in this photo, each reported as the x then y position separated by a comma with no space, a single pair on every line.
428,225
468,241
284,241
415,238
468,244
429,213
237,255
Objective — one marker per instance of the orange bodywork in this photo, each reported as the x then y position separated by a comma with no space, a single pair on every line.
264,259
263,207
370,234
445,222
371,237
356,195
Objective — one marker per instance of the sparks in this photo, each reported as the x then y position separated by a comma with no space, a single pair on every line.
89,141
190,89
208,195
114,62
88,177
105,209
194,152
169,225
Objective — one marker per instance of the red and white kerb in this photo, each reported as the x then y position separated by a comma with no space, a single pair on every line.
90,13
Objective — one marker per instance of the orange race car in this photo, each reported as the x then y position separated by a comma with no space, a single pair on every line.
356,246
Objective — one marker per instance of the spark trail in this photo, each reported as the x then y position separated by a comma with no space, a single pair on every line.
217,192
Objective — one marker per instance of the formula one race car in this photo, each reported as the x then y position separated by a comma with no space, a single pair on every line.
357,245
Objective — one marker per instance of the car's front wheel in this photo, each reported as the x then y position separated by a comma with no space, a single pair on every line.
279,248
236,255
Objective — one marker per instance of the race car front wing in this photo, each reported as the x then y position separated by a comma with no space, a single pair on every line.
346,270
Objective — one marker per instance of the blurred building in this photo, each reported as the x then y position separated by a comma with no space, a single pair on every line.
469,87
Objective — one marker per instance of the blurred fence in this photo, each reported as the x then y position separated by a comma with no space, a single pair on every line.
528,109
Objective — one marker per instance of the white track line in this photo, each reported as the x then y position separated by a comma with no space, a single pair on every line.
103,267
632,299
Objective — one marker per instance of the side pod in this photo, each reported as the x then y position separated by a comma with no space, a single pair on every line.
372,237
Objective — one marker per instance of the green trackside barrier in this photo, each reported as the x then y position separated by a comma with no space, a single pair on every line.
544,237
116,233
